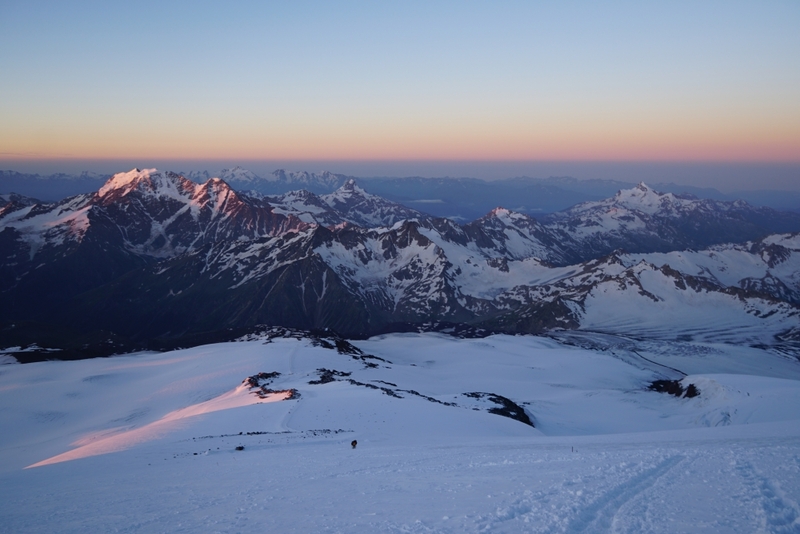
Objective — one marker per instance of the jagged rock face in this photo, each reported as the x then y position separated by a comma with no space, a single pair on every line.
36,239
164,214
134,216
153,255
620,295
352,280
326,181
517,236
275,183
58,250
773,287
401,273
768,267
306,206
359,281
12,202
348,204
183,297
360,208
643,220
154,213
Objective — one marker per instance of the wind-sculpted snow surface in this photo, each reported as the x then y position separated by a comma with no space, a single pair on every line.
179,441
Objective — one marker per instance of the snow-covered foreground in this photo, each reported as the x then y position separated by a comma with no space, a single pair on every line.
147,442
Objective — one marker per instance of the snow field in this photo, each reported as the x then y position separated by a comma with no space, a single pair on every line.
673,483
606,455
703,316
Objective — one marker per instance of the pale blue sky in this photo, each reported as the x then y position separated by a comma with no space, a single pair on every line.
676,81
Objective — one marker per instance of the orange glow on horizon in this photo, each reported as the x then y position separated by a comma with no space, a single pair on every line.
447,139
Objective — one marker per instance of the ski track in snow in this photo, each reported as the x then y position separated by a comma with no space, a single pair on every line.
779,513
600,515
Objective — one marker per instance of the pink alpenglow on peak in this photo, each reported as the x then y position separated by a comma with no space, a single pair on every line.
125,181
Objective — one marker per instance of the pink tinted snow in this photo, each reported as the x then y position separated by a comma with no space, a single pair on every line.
101,442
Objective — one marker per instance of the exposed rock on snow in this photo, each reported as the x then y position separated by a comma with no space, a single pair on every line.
674,387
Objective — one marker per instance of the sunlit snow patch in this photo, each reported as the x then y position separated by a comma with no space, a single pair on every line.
102,443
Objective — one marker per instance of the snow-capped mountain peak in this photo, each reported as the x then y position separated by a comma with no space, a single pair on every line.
643,198
215,193
167,185
13,198
238,174
148,182
147,213
348,189
641,219
506,270
499,211
364,209
304,179
350,185
124,182
507,216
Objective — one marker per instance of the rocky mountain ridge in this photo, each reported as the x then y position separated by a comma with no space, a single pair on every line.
461,199
347,204
153,255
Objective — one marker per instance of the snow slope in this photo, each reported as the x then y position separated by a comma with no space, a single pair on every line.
361,208
40,225
770,265
605,454
392,265
656,308
349,203
641,219
153,213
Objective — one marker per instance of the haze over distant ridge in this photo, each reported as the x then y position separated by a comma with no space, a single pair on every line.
530,187
726,177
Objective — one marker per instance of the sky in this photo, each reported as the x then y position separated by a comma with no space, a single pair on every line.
436,86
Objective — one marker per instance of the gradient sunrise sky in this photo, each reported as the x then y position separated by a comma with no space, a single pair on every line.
674,81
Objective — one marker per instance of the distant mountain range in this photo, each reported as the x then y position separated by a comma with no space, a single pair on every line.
461,199
153,259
